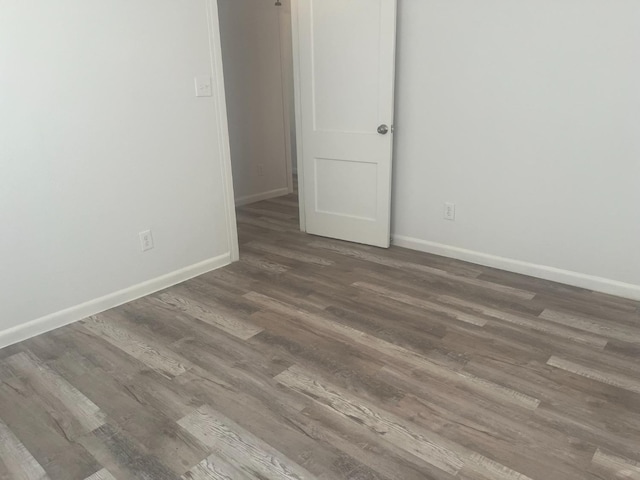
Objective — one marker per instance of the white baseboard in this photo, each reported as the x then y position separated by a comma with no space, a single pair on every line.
92,307
590,282
240,201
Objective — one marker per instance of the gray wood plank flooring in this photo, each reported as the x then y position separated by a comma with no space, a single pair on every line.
315,358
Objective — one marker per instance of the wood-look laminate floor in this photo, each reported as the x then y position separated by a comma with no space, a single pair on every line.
314,358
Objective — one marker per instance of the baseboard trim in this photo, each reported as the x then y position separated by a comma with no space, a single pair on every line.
258,197
92,307
590,282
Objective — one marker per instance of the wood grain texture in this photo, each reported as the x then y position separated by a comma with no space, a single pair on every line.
44,431
234,442
424,304
608,378
19,463
315,358
354,252
102,474
263,224
269,212
532,323
214,468
261,263
320,323
290,253
384,462
619,467
423,445
157,358
227,322
124,457
593,325
51,386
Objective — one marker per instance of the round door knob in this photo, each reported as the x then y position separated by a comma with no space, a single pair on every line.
383,129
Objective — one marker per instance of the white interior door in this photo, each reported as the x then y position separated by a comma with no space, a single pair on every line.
346,64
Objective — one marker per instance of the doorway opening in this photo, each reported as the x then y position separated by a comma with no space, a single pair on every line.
257,58
342,57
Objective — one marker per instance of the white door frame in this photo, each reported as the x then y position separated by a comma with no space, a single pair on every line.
223,127
221,112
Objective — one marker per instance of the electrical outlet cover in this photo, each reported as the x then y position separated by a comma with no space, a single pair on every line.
449,211
146,240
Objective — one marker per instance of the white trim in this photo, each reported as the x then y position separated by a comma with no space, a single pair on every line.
92,307
590,282
223,127
295,38
279,192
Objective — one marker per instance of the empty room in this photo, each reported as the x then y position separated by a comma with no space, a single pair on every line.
320,239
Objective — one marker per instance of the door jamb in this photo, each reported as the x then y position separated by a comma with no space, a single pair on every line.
215,49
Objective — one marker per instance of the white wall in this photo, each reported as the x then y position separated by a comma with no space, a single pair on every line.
526,115
250,33
288,89
101,137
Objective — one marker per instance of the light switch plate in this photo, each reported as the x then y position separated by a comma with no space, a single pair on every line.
203,86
